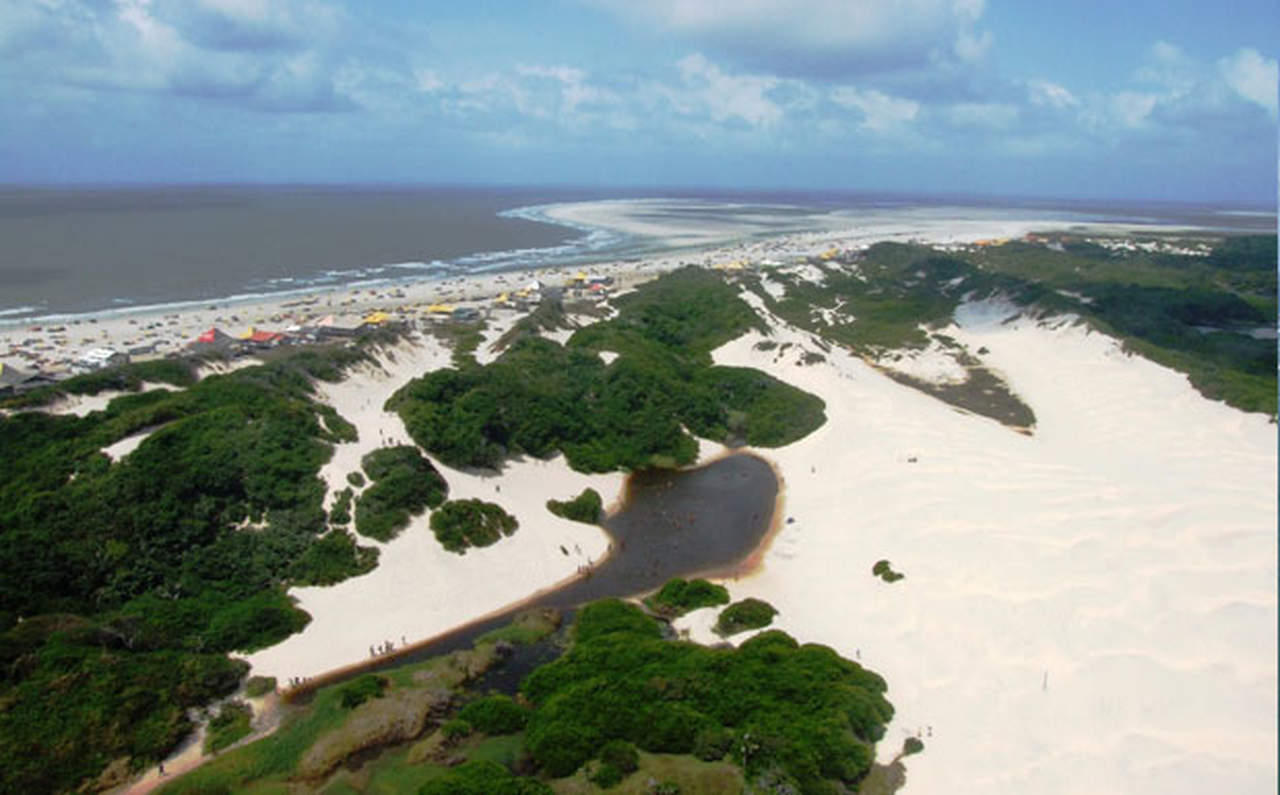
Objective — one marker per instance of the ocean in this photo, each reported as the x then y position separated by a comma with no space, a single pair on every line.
72,251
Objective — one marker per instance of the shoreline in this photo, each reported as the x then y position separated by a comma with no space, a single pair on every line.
49,342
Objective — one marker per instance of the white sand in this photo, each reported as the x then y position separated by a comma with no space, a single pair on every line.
1127,552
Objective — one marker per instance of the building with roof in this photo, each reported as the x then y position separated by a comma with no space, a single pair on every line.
99,358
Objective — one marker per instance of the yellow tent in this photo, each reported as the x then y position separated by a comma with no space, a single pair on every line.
440,309
376,319
248,334
581,277
830,253
502,299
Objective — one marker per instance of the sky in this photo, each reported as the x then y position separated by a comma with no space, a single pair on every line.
1173,100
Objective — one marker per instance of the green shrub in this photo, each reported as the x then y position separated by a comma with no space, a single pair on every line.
809,714
540,397
711,744
483,778
333,558
456,729
340,513
361,689
259,686
230,724
460,524
605,776
621,754
404,483
912,745
884,571
747,614
495,715
356,479
585,508
678,597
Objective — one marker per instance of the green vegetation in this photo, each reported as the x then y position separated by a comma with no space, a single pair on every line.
124,378
678,597
585,508
257,686
359,690
749,613
333,558
134,578
229,725
884,571
459,524
360,717
912,745
404,483
623,709
495,715
799,715
1189,313
356,479
483,778
539,397
621,755
340,513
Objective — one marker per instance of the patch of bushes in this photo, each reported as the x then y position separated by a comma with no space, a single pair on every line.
679,596
232,723
540,398
621,754
360,690
404,483
884,570
258,686
749,613
585,508
356,479
340,513
803,714
333,558
460,524
483,778
495,715
455,730
605,776
912,745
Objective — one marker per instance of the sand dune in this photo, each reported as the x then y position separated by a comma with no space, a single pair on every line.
1090,609
418,589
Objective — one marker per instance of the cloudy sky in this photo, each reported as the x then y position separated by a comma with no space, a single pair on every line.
1139,99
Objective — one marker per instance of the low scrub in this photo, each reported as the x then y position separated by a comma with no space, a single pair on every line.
585,508
461,524
747,614
679,596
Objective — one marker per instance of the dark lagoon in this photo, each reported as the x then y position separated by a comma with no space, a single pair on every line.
708,520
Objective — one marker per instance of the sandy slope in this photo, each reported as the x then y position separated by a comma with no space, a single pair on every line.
418,589
1088,610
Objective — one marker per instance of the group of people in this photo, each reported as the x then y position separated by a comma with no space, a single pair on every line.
386,647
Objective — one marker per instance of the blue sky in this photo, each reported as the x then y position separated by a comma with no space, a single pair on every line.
1158,100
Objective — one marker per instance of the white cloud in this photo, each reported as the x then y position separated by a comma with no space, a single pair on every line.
881,112
707,89
1253,77
1046,94
242,51
821,36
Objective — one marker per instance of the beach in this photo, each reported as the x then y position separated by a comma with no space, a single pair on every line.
1088,608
